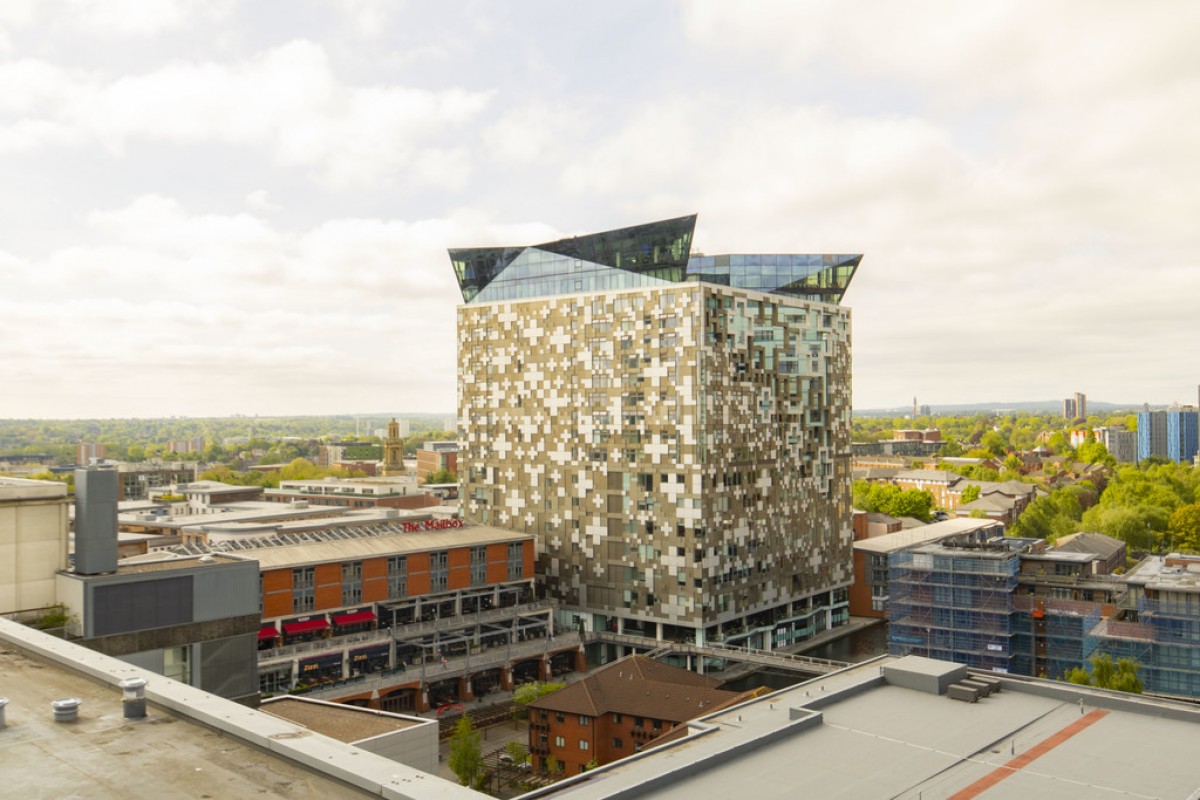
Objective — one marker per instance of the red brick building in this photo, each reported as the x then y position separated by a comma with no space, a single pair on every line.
437,456
618,710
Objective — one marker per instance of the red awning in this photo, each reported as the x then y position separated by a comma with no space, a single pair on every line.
269,632
292,628
356,618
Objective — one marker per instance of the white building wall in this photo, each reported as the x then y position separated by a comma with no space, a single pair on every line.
33,542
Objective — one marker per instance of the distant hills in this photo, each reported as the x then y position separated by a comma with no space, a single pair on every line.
1026,406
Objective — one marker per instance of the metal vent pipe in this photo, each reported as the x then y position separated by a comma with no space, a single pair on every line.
133,697
66,709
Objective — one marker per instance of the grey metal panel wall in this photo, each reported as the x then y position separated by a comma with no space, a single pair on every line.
95,521
141,605
227,590
229,667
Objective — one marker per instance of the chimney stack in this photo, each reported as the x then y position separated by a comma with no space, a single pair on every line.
95,521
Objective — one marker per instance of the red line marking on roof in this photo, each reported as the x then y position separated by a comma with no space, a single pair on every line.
1037,751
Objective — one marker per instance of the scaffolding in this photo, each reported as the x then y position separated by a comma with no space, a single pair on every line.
1050,635
1173,667
953,603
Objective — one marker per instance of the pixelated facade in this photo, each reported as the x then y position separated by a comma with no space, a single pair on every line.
681,449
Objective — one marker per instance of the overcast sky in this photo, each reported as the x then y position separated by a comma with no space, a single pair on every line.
210,208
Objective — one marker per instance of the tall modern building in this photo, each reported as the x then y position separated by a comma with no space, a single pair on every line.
1075,407
1183,434
1152,434
674,428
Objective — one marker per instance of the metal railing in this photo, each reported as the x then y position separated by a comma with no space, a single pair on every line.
728,652
433,668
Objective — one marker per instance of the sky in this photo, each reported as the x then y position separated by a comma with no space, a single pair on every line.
210,207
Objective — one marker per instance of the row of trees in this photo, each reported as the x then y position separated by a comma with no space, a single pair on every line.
140,439
1010,432
299,469
1154,507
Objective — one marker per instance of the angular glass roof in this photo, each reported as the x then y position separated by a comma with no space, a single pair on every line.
642,255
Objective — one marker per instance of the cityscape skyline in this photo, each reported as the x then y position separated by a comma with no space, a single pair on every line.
241,209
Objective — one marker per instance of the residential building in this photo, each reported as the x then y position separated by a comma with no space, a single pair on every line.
1075,407
1161,625
1183,434
1121,444
1152,434
617,710
1110,553
194,445
870,591
675,429
33,542
89,452
940,483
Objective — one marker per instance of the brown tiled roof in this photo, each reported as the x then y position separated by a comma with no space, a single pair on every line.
640,686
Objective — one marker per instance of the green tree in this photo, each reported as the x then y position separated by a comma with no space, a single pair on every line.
1093,452
951,449
970,494
441,476
994,444
526,693
887,498
1121,676
517,752
466,753
1183,527
553,765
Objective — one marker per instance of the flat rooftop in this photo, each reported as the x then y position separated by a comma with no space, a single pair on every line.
853,735
925,534
25,489
341,722
103,755
241,511
290,555
191,743
1155,573
163,562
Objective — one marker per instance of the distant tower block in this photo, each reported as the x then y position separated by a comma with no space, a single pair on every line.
393,450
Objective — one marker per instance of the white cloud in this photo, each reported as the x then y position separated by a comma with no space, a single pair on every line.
969,53
535,131
368,17
238,313
259,200
286,100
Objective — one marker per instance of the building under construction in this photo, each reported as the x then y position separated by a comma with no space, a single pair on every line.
954,603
